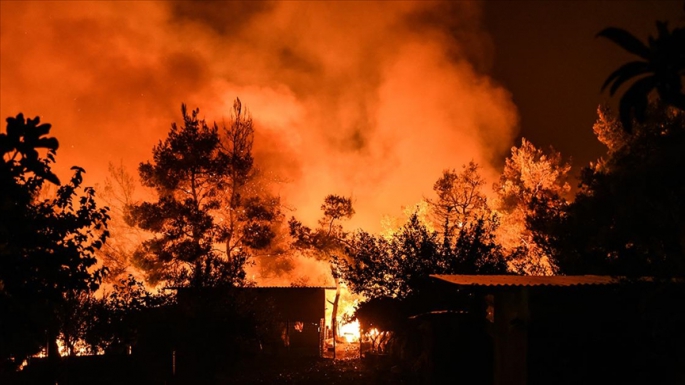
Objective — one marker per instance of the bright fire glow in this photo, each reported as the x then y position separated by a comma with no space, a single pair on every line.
80,348
337,112
350,331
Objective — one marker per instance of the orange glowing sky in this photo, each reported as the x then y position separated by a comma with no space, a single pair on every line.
371,100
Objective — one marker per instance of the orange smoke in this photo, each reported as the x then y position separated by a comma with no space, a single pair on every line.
371,100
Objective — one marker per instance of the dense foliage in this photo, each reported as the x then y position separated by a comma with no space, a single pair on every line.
377,267
213,213
327,241
202,178
628,218
533,181
111,324
397,264
47,245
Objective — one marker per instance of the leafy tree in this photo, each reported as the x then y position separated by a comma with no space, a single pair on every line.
378,268
47,246
609,132
476,249
250,214
391,273
661,68
327,242
202,181
395,264
627,218
533,181
110,324
370,271
462,212
460,198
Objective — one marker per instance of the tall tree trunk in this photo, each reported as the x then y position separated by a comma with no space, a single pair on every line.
197,277
334,313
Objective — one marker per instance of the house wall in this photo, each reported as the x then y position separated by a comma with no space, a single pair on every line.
290,317
511,316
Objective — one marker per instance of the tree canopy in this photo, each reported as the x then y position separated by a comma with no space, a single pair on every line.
327,242
202,179
533,181
627,218
460,199
662,68
186,173
47,245
396,265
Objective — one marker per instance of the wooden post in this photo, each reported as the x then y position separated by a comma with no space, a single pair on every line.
361,333
322,336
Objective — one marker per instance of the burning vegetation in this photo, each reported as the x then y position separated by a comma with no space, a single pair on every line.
212,259
216,225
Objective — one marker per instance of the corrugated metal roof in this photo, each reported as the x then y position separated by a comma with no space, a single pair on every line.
292,287
526,280
255,287
438,312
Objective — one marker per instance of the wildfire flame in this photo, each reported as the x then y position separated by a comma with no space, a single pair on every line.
350,331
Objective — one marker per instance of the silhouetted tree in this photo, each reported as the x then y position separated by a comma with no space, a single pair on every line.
460,199
476,250
187,172
47,246
110,324
628,217
250,215
377,267
327,242
661,68
202,178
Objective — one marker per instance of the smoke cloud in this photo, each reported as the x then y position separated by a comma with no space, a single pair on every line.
371,100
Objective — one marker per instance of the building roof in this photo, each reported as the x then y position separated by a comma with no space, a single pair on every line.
252,287
293,287
526,280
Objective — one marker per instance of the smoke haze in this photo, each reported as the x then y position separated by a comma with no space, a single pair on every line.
371,100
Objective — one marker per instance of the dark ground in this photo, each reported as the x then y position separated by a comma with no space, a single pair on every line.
317,371
348,368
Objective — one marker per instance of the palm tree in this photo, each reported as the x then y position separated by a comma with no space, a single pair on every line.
663,64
